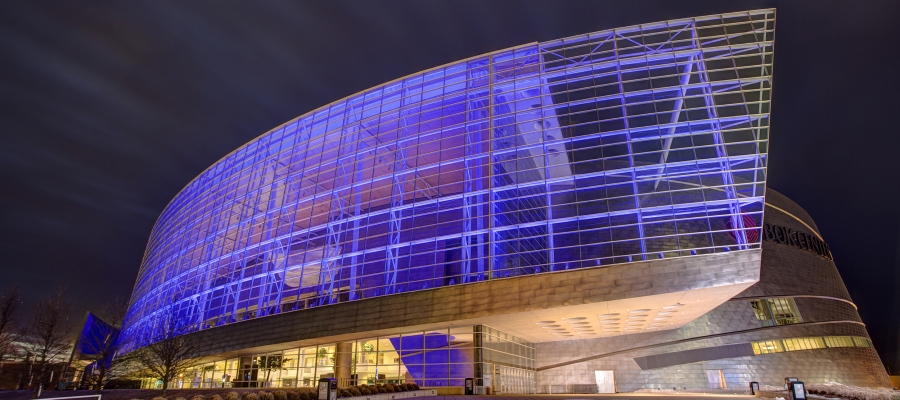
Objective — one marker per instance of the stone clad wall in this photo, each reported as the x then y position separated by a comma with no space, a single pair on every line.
814,366
814,310
774,198
789,271
477,303
811,280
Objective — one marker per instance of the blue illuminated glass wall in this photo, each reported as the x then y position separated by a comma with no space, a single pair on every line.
625,145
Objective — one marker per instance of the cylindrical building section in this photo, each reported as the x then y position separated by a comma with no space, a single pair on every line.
797,321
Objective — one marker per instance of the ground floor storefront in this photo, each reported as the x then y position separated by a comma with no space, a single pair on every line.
498,362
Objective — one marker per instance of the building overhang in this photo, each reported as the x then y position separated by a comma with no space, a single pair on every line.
660,294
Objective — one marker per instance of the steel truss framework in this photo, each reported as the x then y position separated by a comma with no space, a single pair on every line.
629,144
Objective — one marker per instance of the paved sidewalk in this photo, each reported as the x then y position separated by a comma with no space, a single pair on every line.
614,396
147,394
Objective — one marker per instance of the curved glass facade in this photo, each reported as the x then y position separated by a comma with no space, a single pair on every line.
624,145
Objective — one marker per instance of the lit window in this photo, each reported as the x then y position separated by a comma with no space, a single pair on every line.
761,311
778,311
804,343
767,346
808,343
839,341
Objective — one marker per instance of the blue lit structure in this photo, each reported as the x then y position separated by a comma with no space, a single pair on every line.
637,143
433,356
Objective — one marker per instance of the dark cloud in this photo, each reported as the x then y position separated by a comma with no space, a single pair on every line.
107,109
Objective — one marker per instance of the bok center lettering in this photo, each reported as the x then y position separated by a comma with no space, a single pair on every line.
800,240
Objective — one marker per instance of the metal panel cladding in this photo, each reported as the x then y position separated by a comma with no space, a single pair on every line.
631,144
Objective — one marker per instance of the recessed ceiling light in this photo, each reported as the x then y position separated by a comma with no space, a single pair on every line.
608,315
638,316
661,318
643,310
609,319
575,319
666,312
579,323
673,306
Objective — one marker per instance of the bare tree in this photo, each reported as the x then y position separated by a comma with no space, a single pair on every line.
10,303
99,344
48,335
170,354
271,363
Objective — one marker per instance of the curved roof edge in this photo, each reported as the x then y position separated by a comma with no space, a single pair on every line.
759,10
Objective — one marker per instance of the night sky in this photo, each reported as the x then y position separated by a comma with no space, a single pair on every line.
108,109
